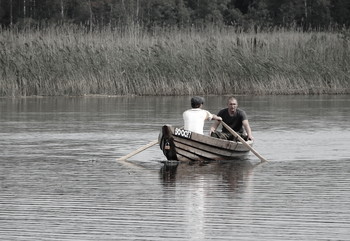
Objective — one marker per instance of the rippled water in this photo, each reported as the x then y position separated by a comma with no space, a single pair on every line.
59,178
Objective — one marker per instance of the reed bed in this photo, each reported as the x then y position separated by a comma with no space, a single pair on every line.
71,61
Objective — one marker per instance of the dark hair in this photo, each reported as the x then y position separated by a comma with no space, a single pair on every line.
197,101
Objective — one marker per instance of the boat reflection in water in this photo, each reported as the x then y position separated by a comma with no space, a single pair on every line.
233,173
207,193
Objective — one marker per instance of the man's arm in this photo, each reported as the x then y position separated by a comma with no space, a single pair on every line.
215,125
217,118
248,129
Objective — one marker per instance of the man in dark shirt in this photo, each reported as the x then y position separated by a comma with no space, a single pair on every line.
236,119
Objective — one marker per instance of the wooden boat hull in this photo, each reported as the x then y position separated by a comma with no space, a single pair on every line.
182,145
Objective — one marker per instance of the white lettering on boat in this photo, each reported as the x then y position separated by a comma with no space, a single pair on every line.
182,133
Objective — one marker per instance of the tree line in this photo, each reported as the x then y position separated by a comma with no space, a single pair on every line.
314,14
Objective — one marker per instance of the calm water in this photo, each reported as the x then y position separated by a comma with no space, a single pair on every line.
59,178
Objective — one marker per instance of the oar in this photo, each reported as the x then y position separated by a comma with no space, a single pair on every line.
243,141
152,143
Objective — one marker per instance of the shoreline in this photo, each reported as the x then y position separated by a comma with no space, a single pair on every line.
136,96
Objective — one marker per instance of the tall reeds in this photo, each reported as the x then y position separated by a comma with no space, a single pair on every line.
72,61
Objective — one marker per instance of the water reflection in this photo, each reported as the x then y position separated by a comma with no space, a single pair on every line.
231,175
168,172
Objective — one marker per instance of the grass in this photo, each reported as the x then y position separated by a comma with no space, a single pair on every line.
70,61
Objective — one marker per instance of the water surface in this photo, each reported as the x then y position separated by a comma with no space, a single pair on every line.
59,178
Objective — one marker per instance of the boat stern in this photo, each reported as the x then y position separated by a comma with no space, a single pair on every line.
166,143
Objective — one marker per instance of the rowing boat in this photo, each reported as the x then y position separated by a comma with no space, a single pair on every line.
183,145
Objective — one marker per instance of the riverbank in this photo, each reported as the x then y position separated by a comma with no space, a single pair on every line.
67,61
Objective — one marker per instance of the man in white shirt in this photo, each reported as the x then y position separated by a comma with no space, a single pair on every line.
194,118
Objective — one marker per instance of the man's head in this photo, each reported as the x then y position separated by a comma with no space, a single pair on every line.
232,104
197,101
